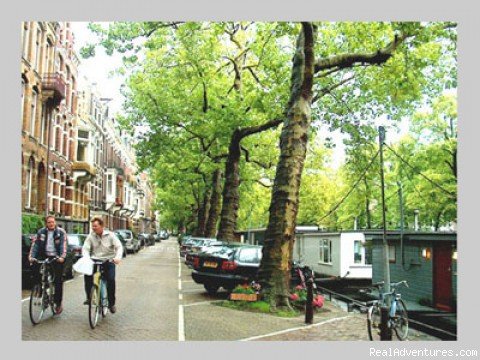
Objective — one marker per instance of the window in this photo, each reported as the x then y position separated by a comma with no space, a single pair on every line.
326,251
249,255
28,182
37,50
25,40
357,252
109,184
43,125
24,85
391,253
368,252
33,112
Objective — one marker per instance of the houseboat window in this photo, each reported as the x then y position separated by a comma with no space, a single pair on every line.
391,253
326,251
368,252
357,252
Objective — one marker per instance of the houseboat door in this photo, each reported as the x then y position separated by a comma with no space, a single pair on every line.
442,277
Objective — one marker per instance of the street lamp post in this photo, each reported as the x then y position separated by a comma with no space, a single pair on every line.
386,333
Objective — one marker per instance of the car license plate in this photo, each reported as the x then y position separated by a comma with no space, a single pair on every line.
210,264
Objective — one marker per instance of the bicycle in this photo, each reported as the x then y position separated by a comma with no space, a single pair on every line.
42,294
398,316
98,301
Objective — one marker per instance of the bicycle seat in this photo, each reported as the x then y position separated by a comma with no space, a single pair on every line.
378,284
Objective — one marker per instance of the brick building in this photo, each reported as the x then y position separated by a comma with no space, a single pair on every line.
89,168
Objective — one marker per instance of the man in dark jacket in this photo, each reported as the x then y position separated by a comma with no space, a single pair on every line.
51,241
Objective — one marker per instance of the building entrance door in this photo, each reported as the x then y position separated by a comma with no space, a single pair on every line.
442,277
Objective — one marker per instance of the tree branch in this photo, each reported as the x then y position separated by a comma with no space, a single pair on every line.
330,89
348,60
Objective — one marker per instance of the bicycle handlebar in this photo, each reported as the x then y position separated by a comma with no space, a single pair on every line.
47,260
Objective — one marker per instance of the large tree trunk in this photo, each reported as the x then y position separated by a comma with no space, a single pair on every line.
211,227
280,235
231,197
228,217
203,213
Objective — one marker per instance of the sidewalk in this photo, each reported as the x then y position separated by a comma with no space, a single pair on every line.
334,325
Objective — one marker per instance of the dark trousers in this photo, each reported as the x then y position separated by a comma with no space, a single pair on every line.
56,270
109,268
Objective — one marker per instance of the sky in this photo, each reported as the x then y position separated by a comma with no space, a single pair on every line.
98,68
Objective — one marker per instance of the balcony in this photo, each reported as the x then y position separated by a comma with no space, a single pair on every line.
83,171
54,87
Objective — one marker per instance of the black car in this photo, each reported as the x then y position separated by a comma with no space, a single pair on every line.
201,245
229,266
27,269
75,244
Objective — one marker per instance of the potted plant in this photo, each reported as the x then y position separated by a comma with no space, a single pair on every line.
246,292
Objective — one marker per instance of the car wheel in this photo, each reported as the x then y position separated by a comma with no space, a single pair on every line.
211,289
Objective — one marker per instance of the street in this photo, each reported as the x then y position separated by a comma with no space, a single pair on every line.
158,300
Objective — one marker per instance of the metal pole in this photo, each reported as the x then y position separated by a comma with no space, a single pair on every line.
309,302
385,331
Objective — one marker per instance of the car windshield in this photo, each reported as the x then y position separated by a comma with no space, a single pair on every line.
249,255
125,233
75,239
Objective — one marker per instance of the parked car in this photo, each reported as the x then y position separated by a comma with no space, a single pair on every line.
186,244
132,244
124,243
75,244
230,265
200,246
157,237
27,269
164,235
147,239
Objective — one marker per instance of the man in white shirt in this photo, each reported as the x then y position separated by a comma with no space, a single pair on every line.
103,244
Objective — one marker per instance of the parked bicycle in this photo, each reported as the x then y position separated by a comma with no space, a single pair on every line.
398,316
98,301
42,295
301,274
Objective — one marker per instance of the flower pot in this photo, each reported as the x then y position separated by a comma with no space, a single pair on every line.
244,297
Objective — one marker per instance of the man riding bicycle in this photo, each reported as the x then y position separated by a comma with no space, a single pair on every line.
103,244
51,242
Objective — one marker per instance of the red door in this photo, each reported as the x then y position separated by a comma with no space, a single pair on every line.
442,277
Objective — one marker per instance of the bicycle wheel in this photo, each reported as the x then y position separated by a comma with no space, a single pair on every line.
373,322
103,297
94,306
37,304
50,296
400,321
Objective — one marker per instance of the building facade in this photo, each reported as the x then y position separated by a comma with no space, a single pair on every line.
76,162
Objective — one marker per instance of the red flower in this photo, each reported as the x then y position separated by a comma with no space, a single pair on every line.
299,287
319,301
294,297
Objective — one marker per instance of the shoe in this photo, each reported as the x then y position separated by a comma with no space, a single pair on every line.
113,309
58,309
86,302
